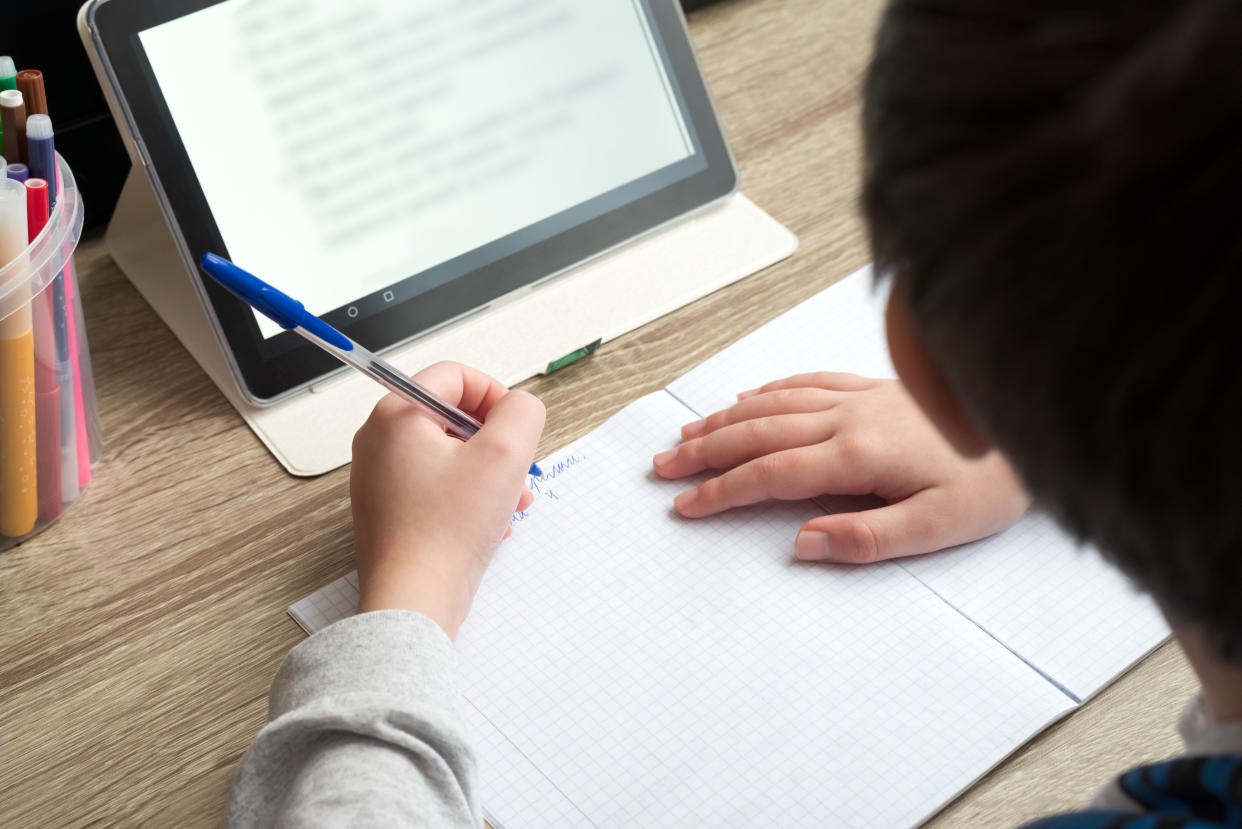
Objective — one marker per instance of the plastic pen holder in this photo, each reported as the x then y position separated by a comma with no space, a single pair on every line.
49,424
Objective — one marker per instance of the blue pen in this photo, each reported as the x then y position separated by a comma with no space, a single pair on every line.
290,314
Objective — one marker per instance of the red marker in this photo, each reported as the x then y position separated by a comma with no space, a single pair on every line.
47,390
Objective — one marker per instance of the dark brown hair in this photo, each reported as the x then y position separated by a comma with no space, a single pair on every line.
1058,186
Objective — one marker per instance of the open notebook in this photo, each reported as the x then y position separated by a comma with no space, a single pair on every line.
623,666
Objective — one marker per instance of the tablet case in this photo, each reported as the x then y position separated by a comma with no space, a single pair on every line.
519,337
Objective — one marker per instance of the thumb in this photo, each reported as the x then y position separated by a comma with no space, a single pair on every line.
510,435
906,528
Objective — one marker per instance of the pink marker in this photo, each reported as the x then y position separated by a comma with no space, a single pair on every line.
84,454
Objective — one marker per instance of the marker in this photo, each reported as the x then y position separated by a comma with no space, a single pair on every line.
18,172
81,379
13,122
30,84
41,153
292,315
60,328
8,69
19,503
47,390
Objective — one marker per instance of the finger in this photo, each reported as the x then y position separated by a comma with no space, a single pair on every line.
788,475
785,401
830,380
509,436
458,385
508,532
525,500
466,388
396,419
922,523
738,443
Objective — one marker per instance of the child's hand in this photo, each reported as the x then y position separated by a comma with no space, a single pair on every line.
429,510
840,434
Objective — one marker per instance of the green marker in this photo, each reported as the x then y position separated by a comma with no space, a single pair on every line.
8,80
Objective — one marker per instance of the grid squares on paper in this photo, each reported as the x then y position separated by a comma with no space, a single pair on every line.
661,672
327,604
1060,606
511,789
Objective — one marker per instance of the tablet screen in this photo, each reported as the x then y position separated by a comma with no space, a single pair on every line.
359,155
398,164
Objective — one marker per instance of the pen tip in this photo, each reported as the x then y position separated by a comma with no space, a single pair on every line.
536,471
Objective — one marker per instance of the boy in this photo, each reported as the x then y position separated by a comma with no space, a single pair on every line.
1036,173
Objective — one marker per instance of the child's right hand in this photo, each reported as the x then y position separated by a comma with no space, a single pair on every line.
429,510
840,434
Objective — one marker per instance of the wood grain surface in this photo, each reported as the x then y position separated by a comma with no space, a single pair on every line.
140,633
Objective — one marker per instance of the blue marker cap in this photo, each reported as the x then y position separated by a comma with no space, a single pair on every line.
284,310
41,154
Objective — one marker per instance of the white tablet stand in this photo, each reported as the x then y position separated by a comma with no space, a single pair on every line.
311,432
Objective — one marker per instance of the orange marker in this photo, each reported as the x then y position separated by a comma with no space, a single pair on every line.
19,502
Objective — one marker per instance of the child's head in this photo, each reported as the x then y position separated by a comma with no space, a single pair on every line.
1057,187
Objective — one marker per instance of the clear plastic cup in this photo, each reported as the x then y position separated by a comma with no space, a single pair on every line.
49,424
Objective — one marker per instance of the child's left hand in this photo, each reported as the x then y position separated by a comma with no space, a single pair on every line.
840,434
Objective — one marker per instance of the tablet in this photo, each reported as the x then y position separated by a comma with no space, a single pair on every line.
398,164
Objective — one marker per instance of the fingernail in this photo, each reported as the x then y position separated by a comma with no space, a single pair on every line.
664,457
693,430
742,395
686,500
812,546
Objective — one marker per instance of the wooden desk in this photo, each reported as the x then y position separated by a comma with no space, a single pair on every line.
141,632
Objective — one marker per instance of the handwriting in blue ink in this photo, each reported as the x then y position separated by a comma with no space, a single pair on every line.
542,486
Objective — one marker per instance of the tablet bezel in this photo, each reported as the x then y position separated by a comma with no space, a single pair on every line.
269,369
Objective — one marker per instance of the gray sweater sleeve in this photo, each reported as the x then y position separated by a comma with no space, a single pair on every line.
364,730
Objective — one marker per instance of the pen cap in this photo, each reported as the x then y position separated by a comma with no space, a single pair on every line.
30,84
40,153
38,207
13,124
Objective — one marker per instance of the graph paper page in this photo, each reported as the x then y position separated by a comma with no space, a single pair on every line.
1061,608
635,668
